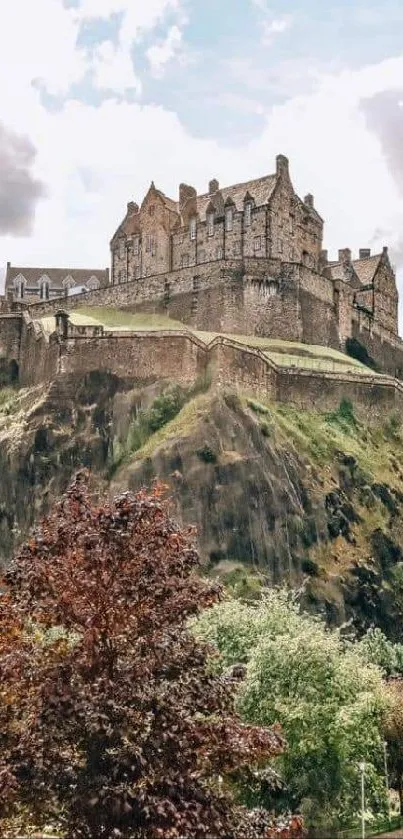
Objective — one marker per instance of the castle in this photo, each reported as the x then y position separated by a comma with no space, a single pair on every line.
243,260
269,241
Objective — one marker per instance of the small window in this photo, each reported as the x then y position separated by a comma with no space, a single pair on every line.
237,248
248,214
257,244
185,260
192,228
150,244
201,256
151,210
272,289
136,245
280,246
20,289
44,291
219,253
229,219
210,224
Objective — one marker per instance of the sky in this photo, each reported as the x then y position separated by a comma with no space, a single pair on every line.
99,97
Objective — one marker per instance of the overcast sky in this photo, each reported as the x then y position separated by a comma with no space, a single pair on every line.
99,97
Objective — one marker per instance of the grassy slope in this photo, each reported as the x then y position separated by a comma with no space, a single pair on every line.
282,353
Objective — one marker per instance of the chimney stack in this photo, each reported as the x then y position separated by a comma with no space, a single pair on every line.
345,255
308,200
132,207
324,256
385,250
364,253
213,186
281,164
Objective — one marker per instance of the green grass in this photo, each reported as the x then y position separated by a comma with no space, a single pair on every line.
322,436
282,353
179,427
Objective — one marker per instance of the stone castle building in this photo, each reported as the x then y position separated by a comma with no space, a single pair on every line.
31,285
270,239
260,219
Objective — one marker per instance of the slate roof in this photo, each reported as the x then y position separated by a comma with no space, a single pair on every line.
56,275
260,189
365,269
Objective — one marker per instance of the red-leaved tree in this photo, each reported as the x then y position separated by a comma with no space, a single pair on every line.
111,723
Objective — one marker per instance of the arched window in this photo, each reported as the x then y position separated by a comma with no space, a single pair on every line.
193,227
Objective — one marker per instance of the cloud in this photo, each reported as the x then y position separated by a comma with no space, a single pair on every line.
272,25
19,189
384,115
160,54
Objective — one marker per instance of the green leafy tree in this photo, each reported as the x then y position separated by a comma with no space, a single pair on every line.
327,697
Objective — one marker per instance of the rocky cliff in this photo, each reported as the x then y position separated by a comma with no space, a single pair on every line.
276,494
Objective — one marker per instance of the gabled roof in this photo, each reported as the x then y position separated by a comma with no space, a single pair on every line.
367,268
55,275
261,189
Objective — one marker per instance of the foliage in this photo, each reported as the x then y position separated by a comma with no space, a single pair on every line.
206,454
394,732
111,721
344,413
327,697
377,649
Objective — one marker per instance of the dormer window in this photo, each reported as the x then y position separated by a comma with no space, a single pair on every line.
20,287
210,224
44,290
229,219
193,228
248,214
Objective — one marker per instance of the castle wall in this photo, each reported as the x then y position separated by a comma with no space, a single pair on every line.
372,398
10,336
382,345
146,357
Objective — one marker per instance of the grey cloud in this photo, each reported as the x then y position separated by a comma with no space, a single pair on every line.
384,116
19,189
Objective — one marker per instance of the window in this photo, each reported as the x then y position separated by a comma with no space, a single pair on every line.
150,244
237,249
122,248
136,245
257,243
248,214
201,256
192,228
219,253
44,290
210,224
229,218
272,289
19,287
185,260
151,210
280,246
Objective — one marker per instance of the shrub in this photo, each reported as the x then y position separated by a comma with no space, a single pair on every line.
206,454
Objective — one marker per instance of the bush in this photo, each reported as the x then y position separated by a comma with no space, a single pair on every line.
308,566
206,454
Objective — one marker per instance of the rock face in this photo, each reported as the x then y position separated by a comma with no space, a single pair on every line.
312,500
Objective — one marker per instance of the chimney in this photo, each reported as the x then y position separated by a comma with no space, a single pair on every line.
385,250
281,164
185,192
345,255
213,186
8,264
308,200
132,207
364,253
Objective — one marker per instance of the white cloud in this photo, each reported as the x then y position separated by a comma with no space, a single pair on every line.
120,146
161,53
274,27
113,69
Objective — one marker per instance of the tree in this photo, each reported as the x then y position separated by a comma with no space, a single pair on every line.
394,732
112,723
327,697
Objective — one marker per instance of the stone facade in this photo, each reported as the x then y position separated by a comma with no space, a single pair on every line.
262,218
30,285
